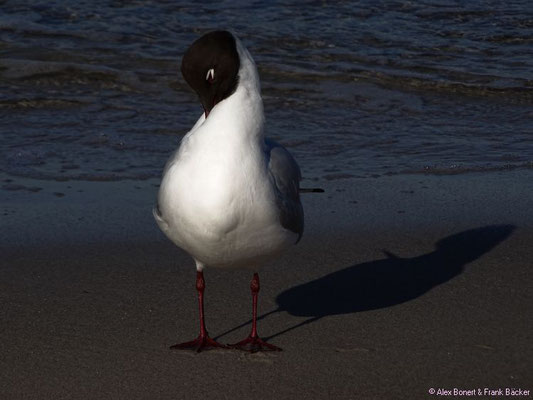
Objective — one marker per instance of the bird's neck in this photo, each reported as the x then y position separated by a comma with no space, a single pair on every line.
245,105
240,116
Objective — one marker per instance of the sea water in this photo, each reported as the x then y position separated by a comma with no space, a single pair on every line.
92,90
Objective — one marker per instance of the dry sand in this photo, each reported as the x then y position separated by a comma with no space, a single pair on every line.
400,284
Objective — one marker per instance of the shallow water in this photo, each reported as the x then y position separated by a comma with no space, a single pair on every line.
93,92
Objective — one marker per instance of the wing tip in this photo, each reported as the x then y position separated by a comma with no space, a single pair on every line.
311,190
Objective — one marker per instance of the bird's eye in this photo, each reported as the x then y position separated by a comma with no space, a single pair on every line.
210,77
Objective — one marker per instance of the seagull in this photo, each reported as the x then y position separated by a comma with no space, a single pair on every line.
229,196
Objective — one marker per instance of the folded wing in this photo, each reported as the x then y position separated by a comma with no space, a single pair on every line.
286,176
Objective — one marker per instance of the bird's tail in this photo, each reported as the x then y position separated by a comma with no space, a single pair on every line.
311,190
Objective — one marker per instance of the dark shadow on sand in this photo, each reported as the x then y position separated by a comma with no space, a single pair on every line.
389,281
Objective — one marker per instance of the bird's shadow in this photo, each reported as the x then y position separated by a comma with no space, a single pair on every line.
388,281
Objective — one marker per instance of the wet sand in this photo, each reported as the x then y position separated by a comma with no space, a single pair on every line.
400,284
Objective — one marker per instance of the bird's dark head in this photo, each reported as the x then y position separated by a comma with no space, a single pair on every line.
211,66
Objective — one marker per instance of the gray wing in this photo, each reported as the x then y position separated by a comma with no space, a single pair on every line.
286,176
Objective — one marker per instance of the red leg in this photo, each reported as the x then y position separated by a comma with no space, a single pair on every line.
253,342
203,341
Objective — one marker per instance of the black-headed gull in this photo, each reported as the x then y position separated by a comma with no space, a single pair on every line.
228,196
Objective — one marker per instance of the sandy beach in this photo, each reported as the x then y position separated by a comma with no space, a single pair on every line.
399,285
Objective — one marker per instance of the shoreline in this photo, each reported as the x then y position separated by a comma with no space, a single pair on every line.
81,212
